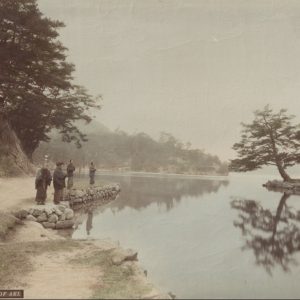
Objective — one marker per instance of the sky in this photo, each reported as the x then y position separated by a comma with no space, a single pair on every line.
195,69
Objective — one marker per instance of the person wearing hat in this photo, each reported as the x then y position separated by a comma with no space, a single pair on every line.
92,172
70,172
42,181
59,183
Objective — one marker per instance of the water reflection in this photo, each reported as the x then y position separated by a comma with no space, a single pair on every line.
140,192
273,236
89,221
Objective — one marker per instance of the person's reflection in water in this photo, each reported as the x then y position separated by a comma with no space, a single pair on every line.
89,222
273,237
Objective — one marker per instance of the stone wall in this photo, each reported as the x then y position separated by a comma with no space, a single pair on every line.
50,215
81,197
61,216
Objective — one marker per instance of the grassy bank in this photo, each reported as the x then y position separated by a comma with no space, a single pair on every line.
109,281
118,282
7,222
15,258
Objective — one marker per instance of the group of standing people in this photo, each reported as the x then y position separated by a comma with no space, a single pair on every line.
44,179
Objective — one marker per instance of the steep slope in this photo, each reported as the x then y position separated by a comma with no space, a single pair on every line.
12,159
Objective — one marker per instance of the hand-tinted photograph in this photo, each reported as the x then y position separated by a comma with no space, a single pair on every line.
149,149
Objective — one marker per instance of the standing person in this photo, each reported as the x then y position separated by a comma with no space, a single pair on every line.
59,184
70,171
92,173
42,181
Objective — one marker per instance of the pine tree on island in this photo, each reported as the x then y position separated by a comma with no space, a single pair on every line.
270,140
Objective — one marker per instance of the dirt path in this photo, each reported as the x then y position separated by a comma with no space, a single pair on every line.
16,192
19,193
47,266
54,277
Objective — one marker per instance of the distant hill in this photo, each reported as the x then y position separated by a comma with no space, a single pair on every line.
117,150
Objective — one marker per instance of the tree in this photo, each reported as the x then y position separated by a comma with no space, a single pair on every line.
36,89
270,139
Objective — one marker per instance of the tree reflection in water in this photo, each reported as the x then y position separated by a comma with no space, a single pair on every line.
274,237
140,192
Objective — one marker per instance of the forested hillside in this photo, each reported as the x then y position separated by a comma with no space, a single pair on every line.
117,150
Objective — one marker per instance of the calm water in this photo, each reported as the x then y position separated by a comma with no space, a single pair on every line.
206,238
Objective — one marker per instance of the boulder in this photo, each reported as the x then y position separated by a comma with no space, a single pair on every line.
58,212
48,211
63,204
62,217
76,201
21,214
42,218
69,214
37,212
79,193
48,225
53,218
121,255
62,208
64,224
31,218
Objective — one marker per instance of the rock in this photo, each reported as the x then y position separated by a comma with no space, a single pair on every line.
53,218
48,225
37,212
62,208
173,296
64,224
120,256
76,201
63,204
48,211
62,217
69,214
42,218
21,214
31,218
79,193
58,212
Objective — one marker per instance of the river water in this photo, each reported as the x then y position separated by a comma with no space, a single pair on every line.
205,237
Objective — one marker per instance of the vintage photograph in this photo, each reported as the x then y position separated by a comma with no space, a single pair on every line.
149,149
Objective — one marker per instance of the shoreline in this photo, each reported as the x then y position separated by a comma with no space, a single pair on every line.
153,174
47,261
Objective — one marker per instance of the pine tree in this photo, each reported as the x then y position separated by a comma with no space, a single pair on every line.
270,139
36,89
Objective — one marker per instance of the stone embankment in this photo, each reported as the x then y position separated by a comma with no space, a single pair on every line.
49,215
62,216
80,197
283,186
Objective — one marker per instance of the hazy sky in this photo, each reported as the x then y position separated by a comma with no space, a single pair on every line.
195,69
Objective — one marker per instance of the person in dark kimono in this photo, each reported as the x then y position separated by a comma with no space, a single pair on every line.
70,172
59,183
42,181
92,173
